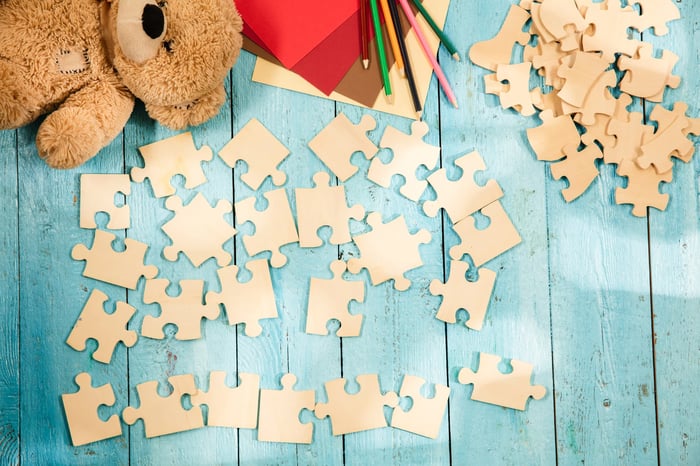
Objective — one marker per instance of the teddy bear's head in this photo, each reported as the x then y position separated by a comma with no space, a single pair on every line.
174,55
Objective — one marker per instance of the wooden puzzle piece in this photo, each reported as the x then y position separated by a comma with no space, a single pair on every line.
410,152
246,302
163,415
357,412
329,299
185,310
274,226
426,414
106,329
655,14
459,293
510,390
484,245
230,407
121,268
198,230
278,420
537,26
609,34
642,188
629,135
260,150
498,50
554,134
388,251
516,94
97,192
647,76
324,205
338,141
556,14
579,168
463,196
670,139
546,57
176,155
84,422
598,101
598,131
580,76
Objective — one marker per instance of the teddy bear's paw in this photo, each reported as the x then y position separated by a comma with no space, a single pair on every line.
191,114
68,138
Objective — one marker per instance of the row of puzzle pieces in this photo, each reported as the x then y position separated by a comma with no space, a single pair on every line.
577,42
276,413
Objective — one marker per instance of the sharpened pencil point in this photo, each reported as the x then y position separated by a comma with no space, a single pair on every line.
402,73
365,64
390,99
456,56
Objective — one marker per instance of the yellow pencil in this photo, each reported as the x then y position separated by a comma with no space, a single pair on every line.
393,40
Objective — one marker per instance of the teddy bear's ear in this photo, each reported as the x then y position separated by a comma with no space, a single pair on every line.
189,114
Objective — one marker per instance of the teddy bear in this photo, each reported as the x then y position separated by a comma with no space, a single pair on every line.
84,62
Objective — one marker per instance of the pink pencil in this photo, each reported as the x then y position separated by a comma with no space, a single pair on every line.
429,53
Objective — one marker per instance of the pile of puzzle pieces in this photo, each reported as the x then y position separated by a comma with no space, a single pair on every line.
276,413
580,48
199,230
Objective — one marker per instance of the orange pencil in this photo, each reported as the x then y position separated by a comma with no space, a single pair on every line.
393,40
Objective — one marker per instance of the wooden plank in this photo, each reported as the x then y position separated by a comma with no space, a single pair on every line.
9,301
52,293
517,324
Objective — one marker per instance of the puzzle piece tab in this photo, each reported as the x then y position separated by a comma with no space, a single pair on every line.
84,422
516,94
97,192
642,188
579,168
279,413
426,414
230,407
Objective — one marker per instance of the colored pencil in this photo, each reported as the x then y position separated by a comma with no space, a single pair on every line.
391,32
394,11
439,32
430,55
380,47
363,33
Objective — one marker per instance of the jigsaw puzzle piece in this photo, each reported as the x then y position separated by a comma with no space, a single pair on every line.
176,155
516,94
279,413
246,302
599,100
123,268
655,14
185,310
324,205
230,407
647,76
329,299
84,422
579,77
670,139
510,390
274,226
107,329
97,192
426,414
484,245
357,412
388,251
338,141
462,197
554,134
163,415
498,50
629,135
642,188
410,152
579,168
555,15
610,30
260,150
198,230
459,293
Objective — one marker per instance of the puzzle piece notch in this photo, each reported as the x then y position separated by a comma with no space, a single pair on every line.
176,155
339,140
554,134
516,94
185,310
230,407
163,415
84,422
426,414
463,196
655,14
279,413
107,329
510,390
123,268
329,299
410,152
647,76
670,139
498,50
459,293
642,188
246,302
579,168
388,251
357,412
274,226
262,152
198,230
324,205
97,193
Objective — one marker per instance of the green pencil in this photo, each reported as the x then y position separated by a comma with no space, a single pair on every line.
443,37
380,47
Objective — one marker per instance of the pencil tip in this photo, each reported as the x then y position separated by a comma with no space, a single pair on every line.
419,114
402,73
455,104
365,63
456,56
390,98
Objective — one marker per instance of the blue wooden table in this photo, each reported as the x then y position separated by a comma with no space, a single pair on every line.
605,305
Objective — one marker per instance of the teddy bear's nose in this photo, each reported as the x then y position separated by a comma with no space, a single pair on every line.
153,21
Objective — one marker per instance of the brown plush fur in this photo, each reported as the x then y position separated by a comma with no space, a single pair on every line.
65,57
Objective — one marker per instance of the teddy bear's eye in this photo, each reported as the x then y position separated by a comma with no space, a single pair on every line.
168,46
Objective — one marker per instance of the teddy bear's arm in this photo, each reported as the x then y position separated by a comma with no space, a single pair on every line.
86,122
